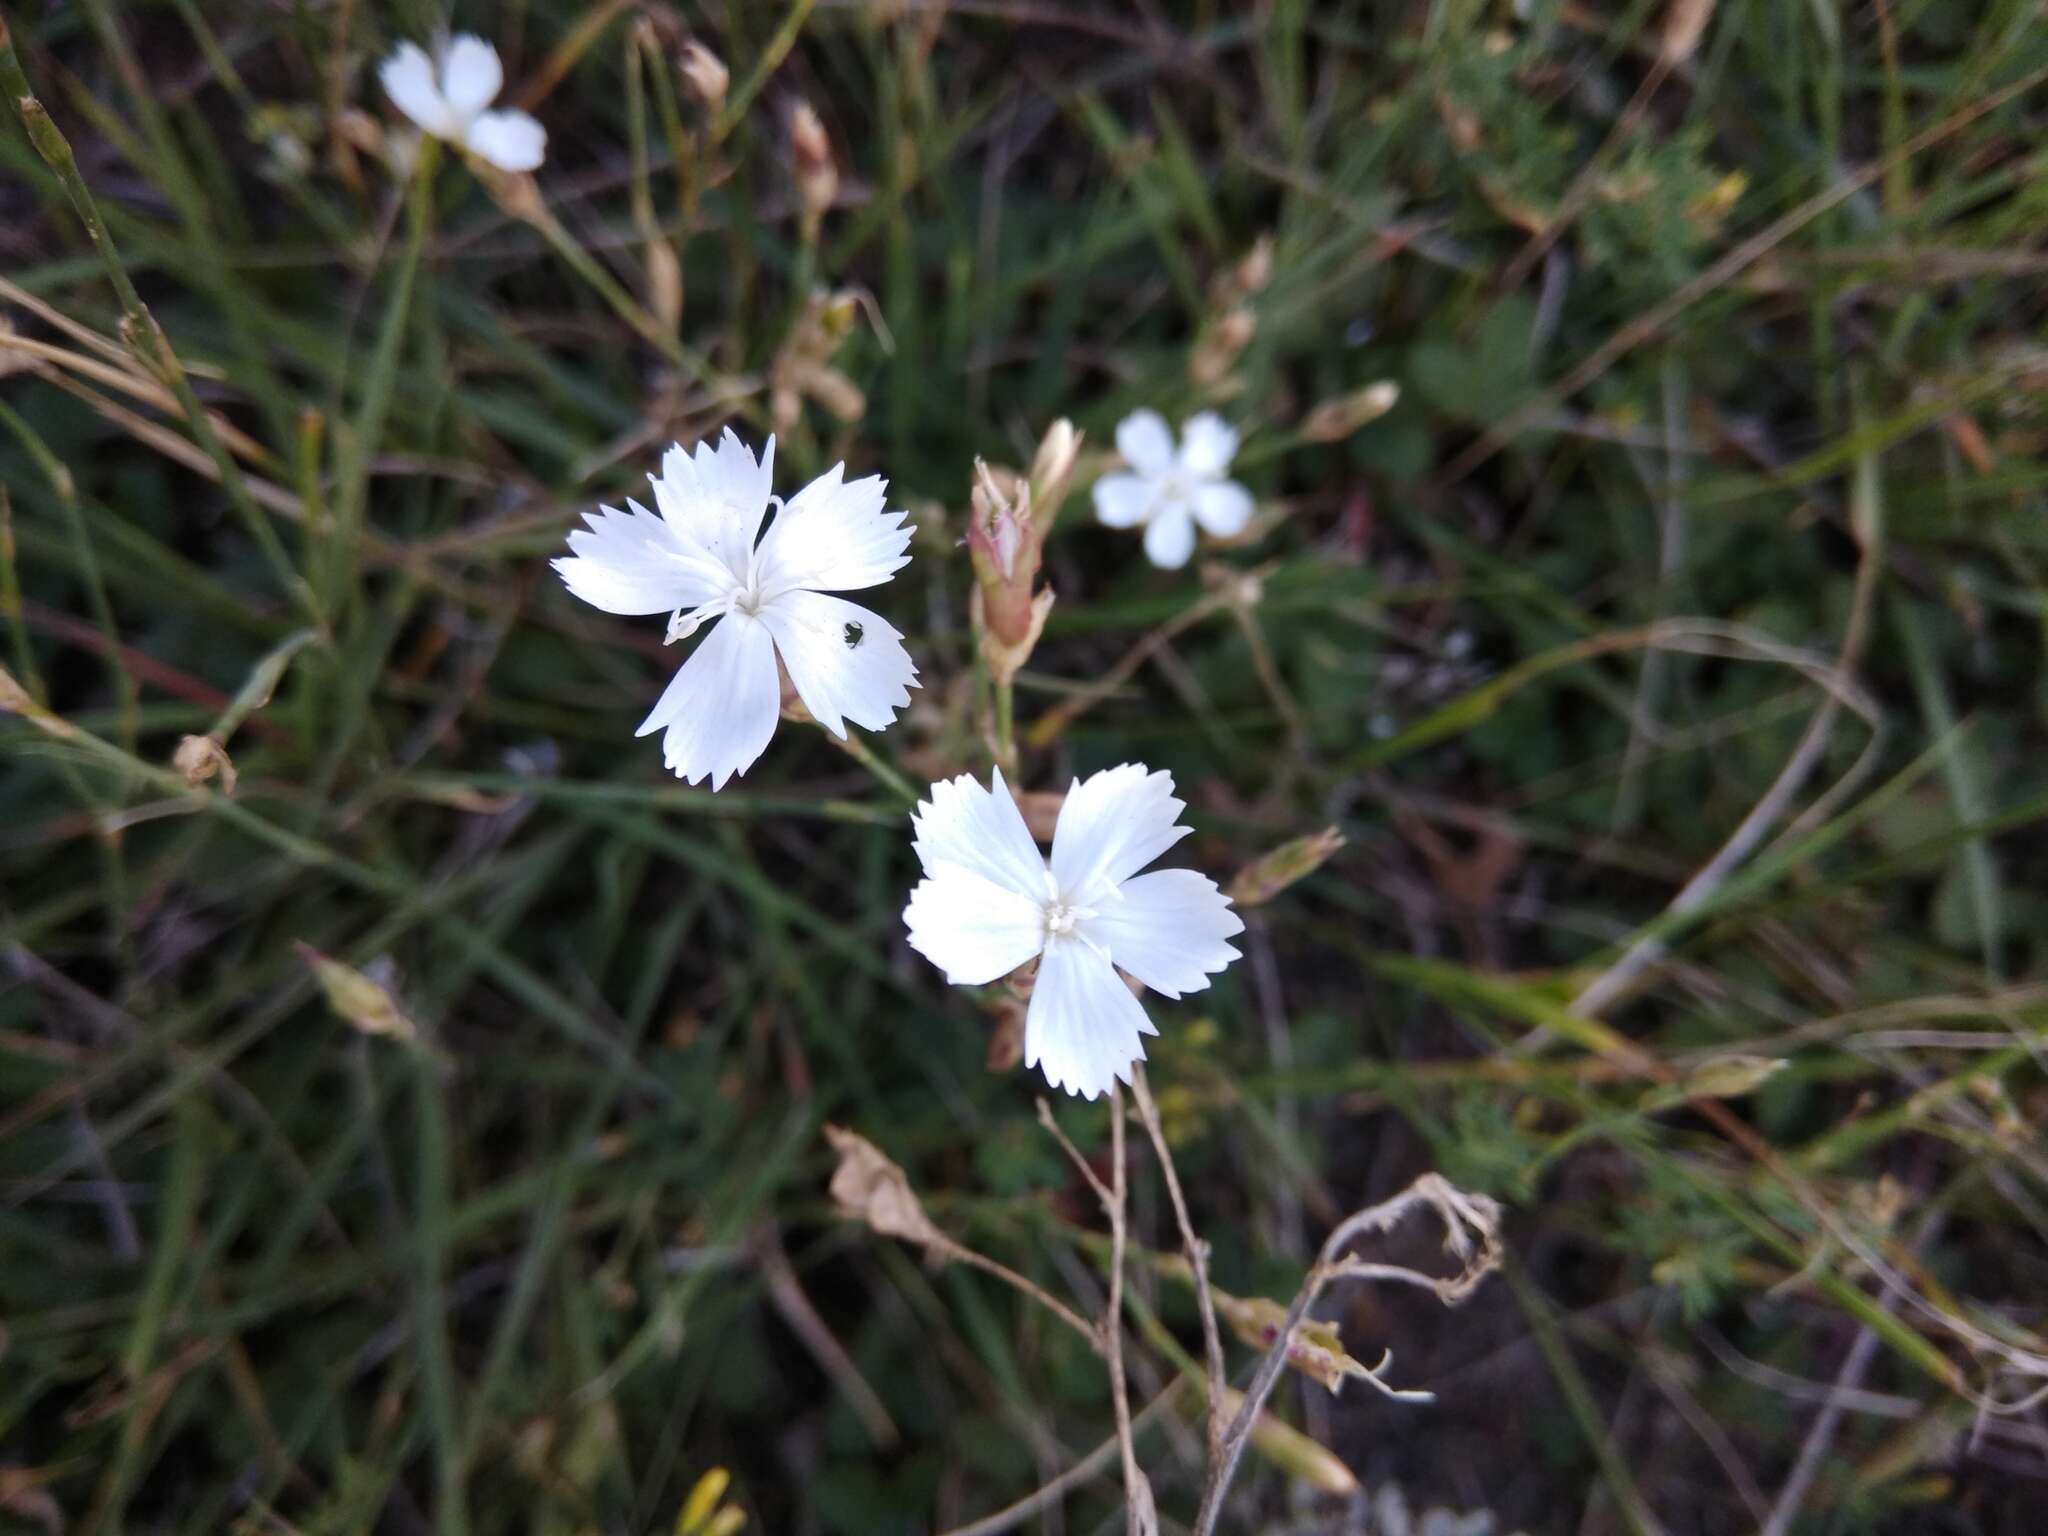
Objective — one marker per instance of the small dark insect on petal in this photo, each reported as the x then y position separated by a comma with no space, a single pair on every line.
854,635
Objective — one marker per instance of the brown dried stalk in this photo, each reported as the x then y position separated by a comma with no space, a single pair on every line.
1472,1236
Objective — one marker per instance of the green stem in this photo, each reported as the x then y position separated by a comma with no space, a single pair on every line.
1006,724
66,488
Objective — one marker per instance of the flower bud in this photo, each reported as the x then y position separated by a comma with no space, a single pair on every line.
1000,525
706,75
1336,419
359,997
1052,470
817,178
1264,878
703,1502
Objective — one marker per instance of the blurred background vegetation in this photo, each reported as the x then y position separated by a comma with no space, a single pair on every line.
428,1136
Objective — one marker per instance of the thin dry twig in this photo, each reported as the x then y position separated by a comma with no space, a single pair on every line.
1197,1254
1092,1465
1140,1517
870,1188
1471,1235
787,1293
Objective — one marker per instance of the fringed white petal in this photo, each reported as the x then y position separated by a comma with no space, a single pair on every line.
1170,536
1167,929
511,141
720,709
471,76
715,499
1146,442
1223,507
1207,445
1112,824
971,928
847,663
629,562
408,79
834,536
981,830
1083,1027
1124,501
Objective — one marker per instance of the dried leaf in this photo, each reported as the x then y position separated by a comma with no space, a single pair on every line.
868,1187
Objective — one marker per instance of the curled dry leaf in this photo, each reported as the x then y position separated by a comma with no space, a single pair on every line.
868,1187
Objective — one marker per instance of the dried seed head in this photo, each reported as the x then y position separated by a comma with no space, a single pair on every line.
199,758
1334,420
706,75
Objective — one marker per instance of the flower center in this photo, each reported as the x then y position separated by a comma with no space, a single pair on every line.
1063,916
1176,485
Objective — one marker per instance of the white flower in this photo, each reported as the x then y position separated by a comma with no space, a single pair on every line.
989,902
703,560
1172,490
451,105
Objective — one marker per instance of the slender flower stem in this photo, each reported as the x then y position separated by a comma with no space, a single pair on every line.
855,746
1006,725
139,328
629,309
1136,1495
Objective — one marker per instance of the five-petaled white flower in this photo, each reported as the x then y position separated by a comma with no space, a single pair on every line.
451,105
704,560
989,902
1171,490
